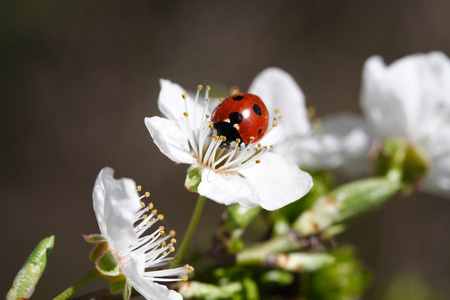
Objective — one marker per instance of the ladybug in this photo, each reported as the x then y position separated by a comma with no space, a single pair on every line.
241,117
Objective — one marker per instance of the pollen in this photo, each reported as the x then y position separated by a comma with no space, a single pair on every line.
199,87
215,137
154,212
257,161
172,233
223,138
184,96
161,217
142,204
147,194
238,140
208,88
211,126
277,110
186,114
173,240
207,116
139,188
275,124
220,100
185,278
150,205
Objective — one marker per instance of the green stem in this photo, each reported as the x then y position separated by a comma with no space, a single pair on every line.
78,285
190,231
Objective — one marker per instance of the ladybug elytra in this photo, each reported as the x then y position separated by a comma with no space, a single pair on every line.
241,117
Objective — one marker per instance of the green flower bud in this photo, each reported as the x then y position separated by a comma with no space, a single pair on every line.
300,262
28,277
347,202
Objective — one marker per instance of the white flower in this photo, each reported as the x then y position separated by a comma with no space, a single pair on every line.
123,221
411,99
336,142
250,175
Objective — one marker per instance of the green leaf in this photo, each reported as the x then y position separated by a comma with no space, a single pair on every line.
28,277
94,238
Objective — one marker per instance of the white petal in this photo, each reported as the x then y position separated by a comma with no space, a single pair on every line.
170,139
279,90
228,189
134,271
116,202
277,181
407,97
172,104
438,177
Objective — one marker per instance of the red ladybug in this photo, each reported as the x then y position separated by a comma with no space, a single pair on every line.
241,116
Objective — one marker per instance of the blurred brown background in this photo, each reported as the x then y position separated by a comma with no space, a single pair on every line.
77,79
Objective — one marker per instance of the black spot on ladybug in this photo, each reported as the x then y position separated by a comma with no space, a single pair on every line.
259,131
257,109
236,118
238,98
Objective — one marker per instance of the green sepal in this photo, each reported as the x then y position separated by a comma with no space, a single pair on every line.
97,250
108,266
117,287
126,293
193,178
94,238
26,279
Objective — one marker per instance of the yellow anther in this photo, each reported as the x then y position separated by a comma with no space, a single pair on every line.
161,217
142,204
185,278
152,220
238,140
165,252
259,145
172,233
211,126
189,268
238,148
220,100
252,138
208,88
200,87
147,194
275,124
184,96
186,114
235,91
277,110
139,188
161,228
150,205
223,138
271,146
257,161
280,117
173,240
207,116
275,118
154,212
207,100
311,111
171,248
255,149
215,137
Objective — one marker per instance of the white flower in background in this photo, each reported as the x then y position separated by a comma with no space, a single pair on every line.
335,142
250,175
124,221
411,99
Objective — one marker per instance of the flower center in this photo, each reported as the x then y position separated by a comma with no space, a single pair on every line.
212,150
